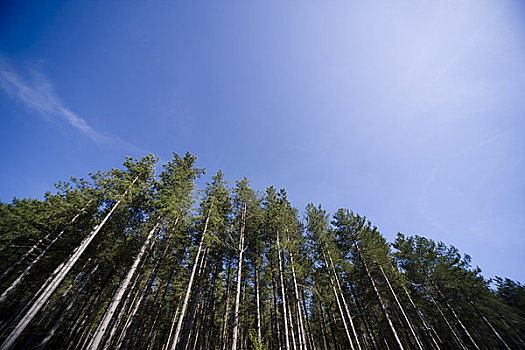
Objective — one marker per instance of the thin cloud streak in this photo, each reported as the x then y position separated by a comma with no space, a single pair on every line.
38,95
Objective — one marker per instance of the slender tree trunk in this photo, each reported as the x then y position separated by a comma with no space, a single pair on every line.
511,326
172,325
35,260
151,334
407,340
276,307
32,249
292,332
129,301
324,331
455,335
190,283
81,315
344,301
258,304
283,294
302,336
49,314
412,330
381,303
361,310
453,313
197,332
485,342
224,328
159,308
310,338
426,324
239,280
129,327
124,309
211,314
379,334
336,295
419,314
101,329
335,337
195,302
242,337
51,333
487,322
56,278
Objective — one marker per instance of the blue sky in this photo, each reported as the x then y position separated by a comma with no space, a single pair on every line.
409,113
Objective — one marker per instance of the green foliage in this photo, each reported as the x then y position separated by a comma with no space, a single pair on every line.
332,268
256,345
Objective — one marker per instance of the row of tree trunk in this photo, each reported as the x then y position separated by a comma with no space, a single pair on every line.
238,271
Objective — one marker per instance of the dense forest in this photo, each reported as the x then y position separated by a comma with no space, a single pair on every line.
140,258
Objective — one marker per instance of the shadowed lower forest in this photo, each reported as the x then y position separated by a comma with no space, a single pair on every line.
140,258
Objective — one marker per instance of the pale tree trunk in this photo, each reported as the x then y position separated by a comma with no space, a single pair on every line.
101,329
159,308
32,249
454,334
360,309
404,331
193,333
488,323
301,336
196,301
517,333
324,330
190,283
172,325
224,330
126,305
412,330
74,334
381,303
336,295
287,341
335,339
258,305
275,307
129,324
51,333
72,302
292,332
51,309
310,338
35,260
56,278
197,332
174,319
419,313
131,321
344,302
453,313
239,280
85,336
210,315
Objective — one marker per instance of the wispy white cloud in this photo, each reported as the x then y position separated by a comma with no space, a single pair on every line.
37,94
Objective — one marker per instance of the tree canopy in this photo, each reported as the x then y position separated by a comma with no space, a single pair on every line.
140,258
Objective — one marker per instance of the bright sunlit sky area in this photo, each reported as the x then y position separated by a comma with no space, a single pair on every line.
408,112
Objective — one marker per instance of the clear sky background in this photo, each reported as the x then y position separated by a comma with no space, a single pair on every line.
409,112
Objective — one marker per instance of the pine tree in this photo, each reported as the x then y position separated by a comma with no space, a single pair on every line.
132,259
